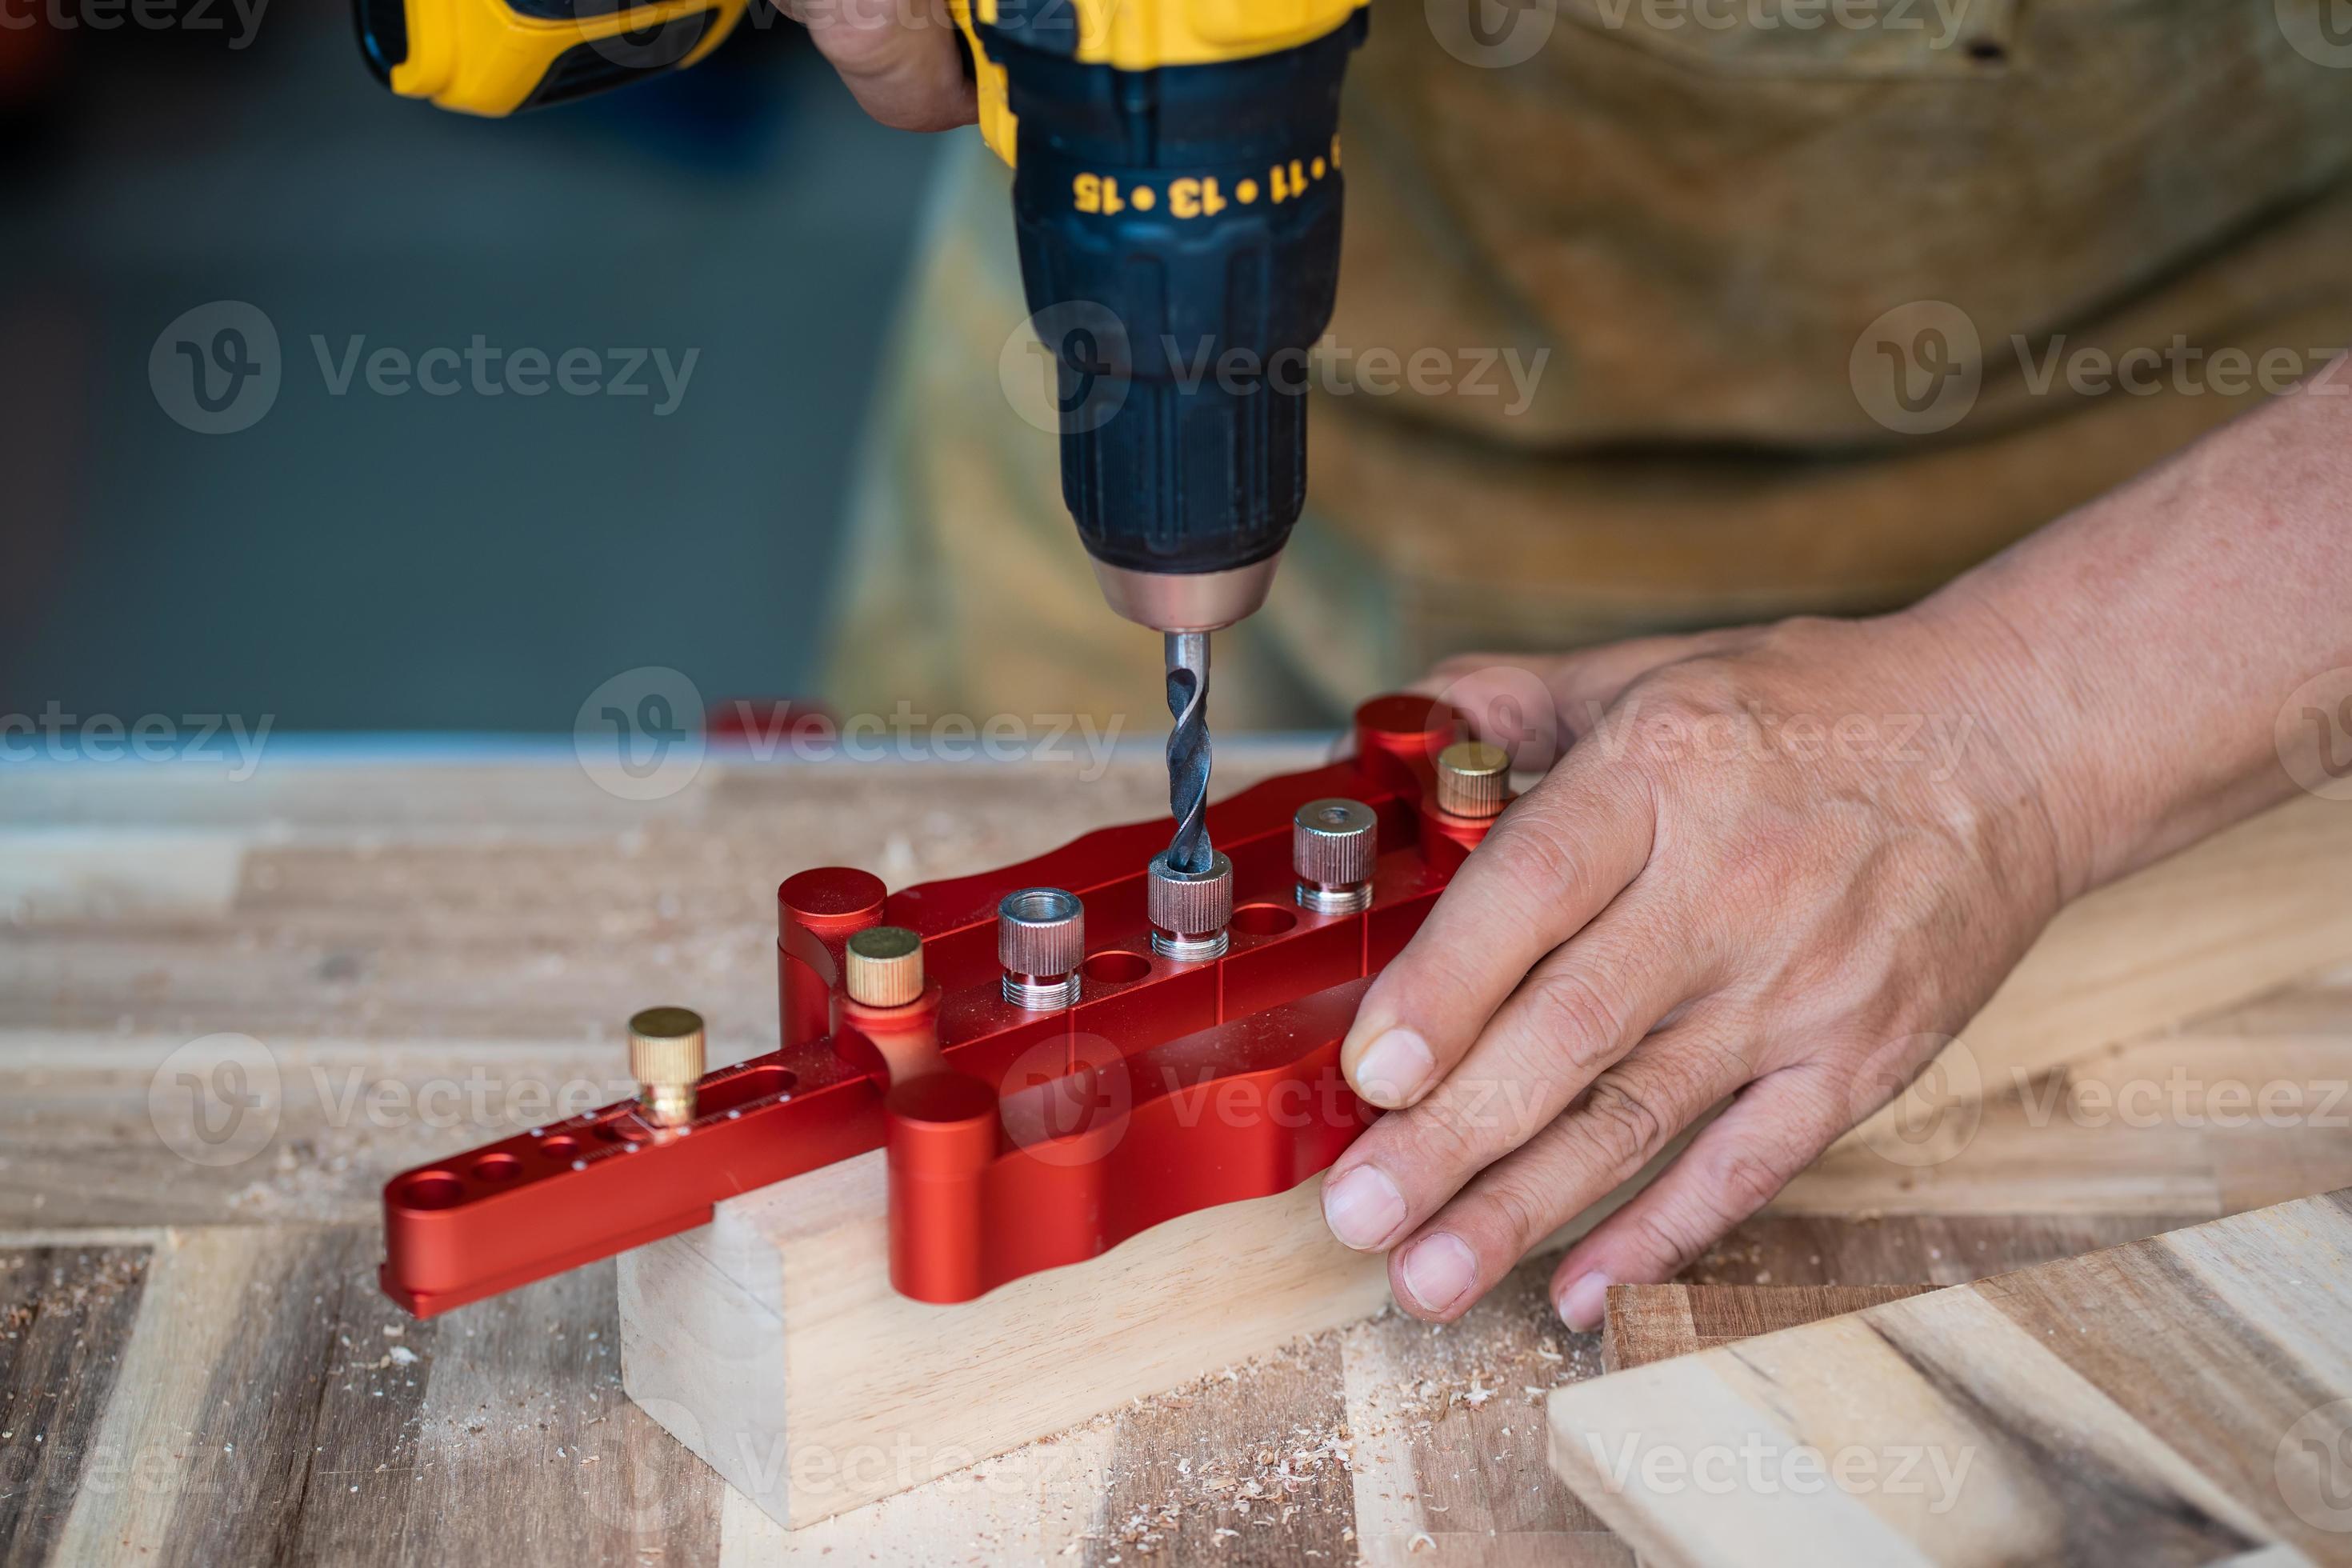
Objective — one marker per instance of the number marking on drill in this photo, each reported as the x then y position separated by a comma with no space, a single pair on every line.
1202,196
1195,199
1096,194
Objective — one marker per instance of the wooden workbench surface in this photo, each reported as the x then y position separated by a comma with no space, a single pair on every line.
196,1365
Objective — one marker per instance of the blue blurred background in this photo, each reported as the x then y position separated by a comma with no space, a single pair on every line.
364,562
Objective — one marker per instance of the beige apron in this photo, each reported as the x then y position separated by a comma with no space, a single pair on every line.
1721,317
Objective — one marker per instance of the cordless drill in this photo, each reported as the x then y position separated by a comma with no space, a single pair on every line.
1177,193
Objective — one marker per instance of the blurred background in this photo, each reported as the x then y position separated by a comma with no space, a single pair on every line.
420,562
1777,319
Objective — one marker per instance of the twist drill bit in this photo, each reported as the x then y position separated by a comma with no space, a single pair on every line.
1187,752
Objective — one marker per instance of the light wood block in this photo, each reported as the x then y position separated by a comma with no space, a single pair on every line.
770,1344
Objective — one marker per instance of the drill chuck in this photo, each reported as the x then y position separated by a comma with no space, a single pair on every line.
1180,245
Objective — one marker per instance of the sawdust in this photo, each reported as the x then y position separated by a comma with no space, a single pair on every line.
30,1296
1466,1401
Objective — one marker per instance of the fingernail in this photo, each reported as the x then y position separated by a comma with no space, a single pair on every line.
1437,1269
1582,1303
1392,1069
1362,1208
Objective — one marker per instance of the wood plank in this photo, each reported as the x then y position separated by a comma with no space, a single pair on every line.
2136,1405
508,903
2248,1109
66,1313
2013,1159
2244,913
503,1428
1249,1465
1447,1435
58,874
265,1401
2318,1004
1891,1249
524,1444
222,1369
1651,1322
98,1132
2273,1112
1429,1484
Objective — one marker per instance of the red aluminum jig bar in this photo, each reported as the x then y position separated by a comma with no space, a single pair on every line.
1022,1140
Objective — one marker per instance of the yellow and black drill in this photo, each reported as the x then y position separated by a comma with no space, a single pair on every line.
1178,192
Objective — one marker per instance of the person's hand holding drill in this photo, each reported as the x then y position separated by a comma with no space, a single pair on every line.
897,58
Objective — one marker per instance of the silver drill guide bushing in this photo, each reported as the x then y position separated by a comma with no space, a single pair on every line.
1333,844
1040,940
1190,911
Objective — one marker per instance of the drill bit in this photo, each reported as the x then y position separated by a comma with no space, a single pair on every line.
1187,752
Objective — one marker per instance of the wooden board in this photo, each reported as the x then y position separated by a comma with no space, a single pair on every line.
2185,1399
216,1393
243,1393
2246,1107
2232,917
390,927
1651,1322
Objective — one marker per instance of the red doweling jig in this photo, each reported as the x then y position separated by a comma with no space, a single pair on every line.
1032,1116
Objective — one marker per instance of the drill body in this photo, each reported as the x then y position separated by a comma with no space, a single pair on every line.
1180,248
1178,195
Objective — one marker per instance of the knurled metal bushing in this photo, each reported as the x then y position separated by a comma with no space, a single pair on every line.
1040,940
665,1055
885,967
1473,777
1334,842
1041,931
1190,911
1333,846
